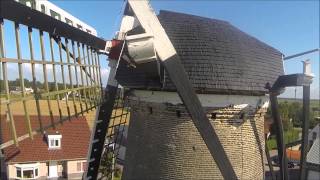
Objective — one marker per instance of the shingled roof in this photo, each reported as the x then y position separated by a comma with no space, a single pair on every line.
74,142
218,58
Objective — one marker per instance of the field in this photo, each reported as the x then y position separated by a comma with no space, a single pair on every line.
17,109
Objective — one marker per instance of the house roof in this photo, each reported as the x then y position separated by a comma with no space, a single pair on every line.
313,154
218,58
74,142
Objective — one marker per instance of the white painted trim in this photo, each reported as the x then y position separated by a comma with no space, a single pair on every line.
207,100
149,21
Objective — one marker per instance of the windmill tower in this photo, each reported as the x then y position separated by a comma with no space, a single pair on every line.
227,68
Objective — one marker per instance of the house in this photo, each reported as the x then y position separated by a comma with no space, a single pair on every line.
59,152
314,134
313,160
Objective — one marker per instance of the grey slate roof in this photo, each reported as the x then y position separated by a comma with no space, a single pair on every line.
218,58
313,155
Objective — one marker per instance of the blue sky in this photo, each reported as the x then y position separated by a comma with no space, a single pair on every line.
289,26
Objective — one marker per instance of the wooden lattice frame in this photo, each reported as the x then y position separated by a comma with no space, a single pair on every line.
81,57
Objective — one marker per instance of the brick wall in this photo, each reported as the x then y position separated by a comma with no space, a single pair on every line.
163,142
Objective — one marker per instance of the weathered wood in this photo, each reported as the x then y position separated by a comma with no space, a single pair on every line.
269,161
45,76
76,75
54,76
171,61
63,76
22,14
70,76
279,136
6,85
12,60
305,132
34,79
81,76
21,77
88,75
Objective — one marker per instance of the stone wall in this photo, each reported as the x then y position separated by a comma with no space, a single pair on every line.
163,142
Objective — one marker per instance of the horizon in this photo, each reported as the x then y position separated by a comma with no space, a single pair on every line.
290,27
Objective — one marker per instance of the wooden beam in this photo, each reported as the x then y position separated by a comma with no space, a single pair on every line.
22,14
171,61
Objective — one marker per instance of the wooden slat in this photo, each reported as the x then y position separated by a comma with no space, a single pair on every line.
81,75
45,76
26,61
86,75
55,77
70,75
76,75
6,85
21,77
22,14
62,75
34,78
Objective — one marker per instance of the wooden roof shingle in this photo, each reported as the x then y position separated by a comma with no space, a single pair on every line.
218,58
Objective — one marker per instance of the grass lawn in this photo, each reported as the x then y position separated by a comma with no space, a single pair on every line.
289,136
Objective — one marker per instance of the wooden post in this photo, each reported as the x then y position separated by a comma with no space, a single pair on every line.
279,135
305,131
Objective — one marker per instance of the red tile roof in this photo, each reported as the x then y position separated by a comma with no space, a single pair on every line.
74,142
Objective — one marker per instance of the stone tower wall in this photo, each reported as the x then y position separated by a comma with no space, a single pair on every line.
163,142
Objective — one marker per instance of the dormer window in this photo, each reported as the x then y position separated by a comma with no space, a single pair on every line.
54,141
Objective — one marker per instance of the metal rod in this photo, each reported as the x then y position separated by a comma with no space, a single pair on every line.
279,135
21,76
305,131
54,77
300,54
6,85
45,76
34,79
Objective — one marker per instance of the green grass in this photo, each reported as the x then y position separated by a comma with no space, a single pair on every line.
289,136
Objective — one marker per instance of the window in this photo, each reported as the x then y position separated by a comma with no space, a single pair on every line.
81,166
55,15
78,166
43,8
29,3
54,141
27,171
84,166
68,21
19,172
79,26
314,135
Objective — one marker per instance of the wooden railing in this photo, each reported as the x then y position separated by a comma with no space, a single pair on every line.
74,66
